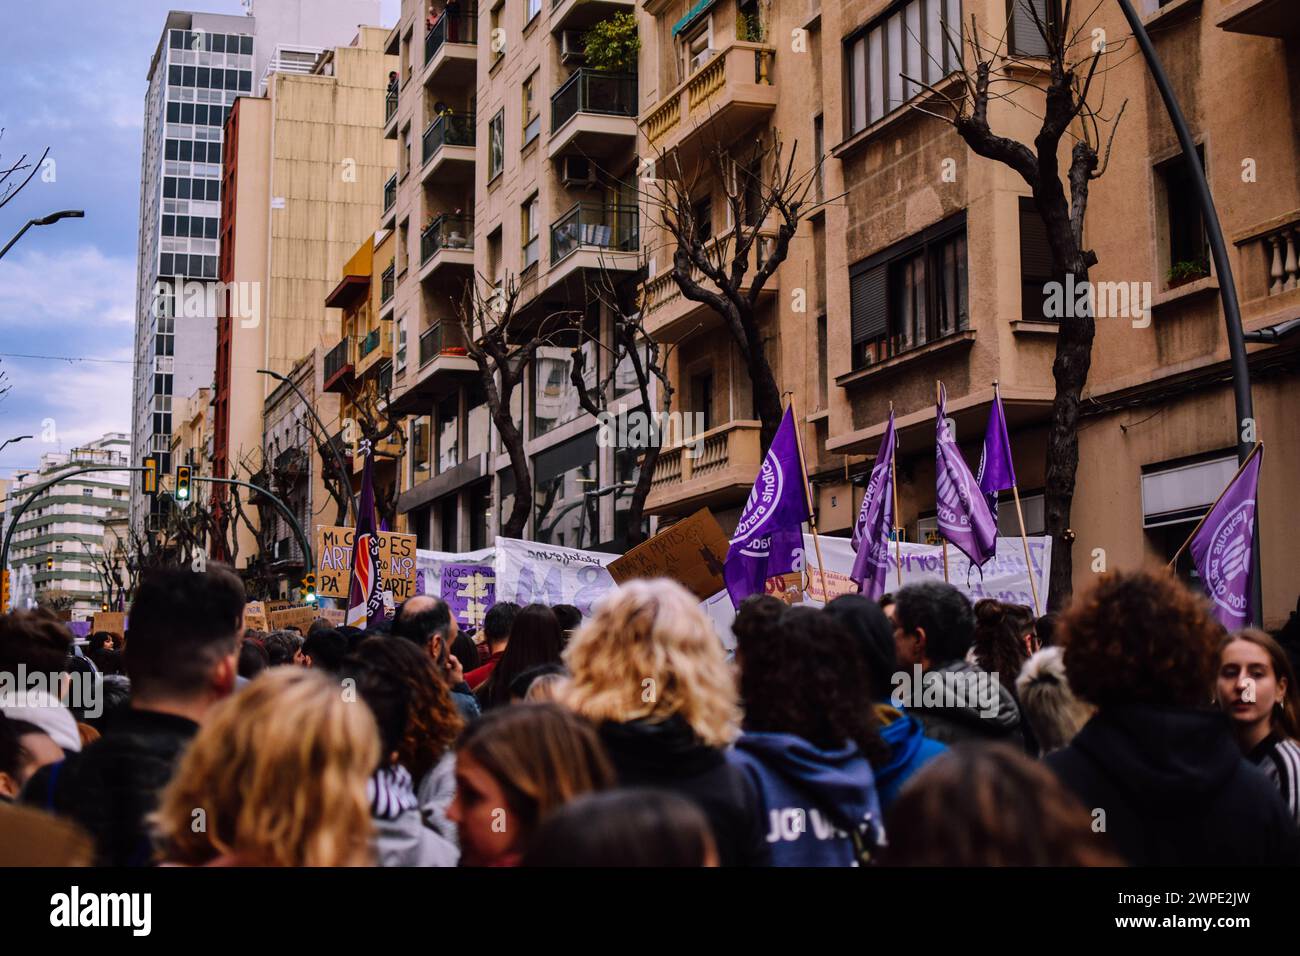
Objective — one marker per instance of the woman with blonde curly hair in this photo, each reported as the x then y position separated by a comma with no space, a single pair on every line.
279,775
649,670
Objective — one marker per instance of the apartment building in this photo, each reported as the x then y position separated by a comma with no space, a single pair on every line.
516,167
201,64
303,178
59,540
192,431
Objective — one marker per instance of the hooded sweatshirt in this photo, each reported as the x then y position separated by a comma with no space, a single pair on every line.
909,750
810,797
401,837
1175,790
958,702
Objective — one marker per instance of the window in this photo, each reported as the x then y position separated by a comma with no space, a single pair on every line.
498,45
918,39
567,513
702,397
480,515
1035,263
697,48
532,118
530,228
534,7
448,431
1187,251
910,294
478,421
496,144
448,511
1025,37
819,154
399,350
702,212
419,449
823,382
406,152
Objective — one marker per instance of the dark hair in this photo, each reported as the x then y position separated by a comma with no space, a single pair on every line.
534,639
108,660
252,658
498,621
943,613
998,640
989,805
801,673
115,692
1045,629
12,755
281,645
326,647
353,635
101,640
874,634
182,623
624,828
423,626
1138,637
36,639
465,650
524,680
568,616
76,664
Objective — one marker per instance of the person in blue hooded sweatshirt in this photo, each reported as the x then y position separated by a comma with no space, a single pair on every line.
808,743
909,747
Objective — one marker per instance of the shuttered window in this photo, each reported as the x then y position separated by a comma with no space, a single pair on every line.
1035,262
1025,37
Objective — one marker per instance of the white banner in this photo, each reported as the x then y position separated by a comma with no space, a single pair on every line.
428,566
529,572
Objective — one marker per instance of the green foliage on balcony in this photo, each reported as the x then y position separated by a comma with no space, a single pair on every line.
612,45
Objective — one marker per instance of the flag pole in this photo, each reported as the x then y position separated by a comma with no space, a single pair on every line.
807,488
1242,467
937,394
893,485
1020,515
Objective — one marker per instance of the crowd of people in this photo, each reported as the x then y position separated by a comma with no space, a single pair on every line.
1129,729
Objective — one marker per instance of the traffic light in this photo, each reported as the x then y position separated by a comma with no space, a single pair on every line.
309,589
49,564
4,591
150,475
182,483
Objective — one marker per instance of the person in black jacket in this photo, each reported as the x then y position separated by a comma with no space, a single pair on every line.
182,658
1157,767
649,670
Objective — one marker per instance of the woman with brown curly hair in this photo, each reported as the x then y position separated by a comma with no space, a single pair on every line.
810,735
1159,768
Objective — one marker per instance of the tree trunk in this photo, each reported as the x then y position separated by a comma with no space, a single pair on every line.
514,442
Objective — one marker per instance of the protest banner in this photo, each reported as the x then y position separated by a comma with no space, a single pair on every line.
528,572
335,615
469,590
428,566
300,617
112,621
397,564
255,616
690,552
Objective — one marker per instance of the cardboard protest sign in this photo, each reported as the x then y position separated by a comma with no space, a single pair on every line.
334,550
528,572
469,590
690,552
335,615
112,621
301,617
255,616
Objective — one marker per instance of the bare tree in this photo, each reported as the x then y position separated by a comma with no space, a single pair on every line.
372,409
10,186
1066,113
502,345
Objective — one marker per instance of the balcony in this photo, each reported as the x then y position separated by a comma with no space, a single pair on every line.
593,114
390,114
374,348
387,284
581,14
443,364
1261,18
338,366
671,317
1268,270
448,146
720,476
451,51
447,241
593,236
390,200
728,94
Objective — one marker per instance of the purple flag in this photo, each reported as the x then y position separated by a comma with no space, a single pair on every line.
365,596
769,538
964,516
1222,549
997,473
875,524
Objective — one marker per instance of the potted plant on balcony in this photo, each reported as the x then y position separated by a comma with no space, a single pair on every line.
1181,273
612,45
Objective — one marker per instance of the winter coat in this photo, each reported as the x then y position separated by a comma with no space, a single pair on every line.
1171,788
949,708
114,783
436,791
668,755
811,798
401,837
909,750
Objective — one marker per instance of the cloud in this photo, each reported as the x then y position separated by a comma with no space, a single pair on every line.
78,285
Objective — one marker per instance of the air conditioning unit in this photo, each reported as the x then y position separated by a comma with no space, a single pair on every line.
572,47
703,57
576,171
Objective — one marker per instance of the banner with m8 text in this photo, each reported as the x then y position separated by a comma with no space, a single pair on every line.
529,572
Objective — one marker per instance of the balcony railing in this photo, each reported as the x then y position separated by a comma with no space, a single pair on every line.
595,224
591,91
390,105
727,455
338,357
461,28
446,232
449,129
430,344
743,68
387,284
390,192
369,343
1281,246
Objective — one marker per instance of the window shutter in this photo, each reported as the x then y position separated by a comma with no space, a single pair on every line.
1035,261
1026,38
868,304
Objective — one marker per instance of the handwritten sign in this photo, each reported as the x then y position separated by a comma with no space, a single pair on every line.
690,552
301,617
255,616
112,621
469,590
529,571
334,571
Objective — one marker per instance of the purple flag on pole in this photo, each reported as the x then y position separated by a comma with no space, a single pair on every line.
365,597
769,538
875,524
997,473
964,516
1223,548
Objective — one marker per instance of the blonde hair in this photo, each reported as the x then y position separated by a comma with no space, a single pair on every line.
651,652
279,771
1053,711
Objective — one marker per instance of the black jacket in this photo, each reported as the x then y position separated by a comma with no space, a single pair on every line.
667,755
1175,789
113,784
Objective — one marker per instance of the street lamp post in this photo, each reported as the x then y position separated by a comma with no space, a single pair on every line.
14,440
43,221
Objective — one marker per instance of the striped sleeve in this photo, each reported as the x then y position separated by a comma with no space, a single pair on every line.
1284,766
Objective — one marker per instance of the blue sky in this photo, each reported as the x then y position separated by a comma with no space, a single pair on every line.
74,76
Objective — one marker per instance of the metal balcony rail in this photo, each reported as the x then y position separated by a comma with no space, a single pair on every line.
601,225
461,28
448,129
446,232
592,91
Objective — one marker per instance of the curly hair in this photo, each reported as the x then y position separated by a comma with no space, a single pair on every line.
1140,637
801,673
651,652
999,639
280,774
990,805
